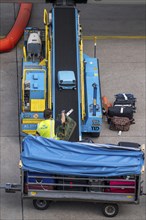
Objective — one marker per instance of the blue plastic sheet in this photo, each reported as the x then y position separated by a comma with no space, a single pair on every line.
80,159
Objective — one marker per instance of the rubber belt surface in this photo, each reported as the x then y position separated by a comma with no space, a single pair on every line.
66,59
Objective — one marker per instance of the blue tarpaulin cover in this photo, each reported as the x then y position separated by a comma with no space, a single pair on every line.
81,159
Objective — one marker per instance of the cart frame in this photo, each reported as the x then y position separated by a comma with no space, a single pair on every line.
86,189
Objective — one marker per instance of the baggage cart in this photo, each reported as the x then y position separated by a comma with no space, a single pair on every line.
80,183
42,189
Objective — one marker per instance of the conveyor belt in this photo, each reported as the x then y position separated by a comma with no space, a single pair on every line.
66,59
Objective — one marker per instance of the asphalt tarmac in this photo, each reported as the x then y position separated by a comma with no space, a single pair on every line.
122,69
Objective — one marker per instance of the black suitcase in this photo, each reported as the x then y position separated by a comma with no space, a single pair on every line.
125,103
120,112
129,144
125,96
71,184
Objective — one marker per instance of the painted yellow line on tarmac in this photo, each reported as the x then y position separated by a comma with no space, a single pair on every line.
112,37
106,37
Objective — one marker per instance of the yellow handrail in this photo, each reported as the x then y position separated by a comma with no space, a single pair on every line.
46,22
49,77
24,53
48,56
82,81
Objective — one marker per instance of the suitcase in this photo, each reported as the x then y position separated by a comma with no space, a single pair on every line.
125,99
66,80
34,177
129,144
37,187
120,112
123,188
120,123
70,184
125,103
125,96
96,185
38,180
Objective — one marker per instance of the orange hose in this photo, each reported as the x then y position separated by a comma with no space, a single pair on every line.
10,41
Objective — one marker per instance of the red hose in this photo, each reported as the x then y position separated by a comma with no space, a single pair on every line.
10,41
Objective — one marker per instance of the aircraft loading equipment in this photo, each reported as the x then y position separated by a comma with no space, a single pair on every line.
66,59
60,50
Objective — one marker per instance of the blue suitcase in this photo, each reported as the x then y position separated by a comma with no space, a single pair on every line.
66,80
34,177
39,181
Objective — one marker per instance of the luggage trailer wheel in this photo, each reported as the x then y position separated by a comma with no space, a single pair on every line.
110,210
41,204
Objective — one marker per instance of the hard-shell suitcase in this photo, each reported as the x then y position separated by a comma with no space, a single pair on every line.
66,80
120,112
39,181
39,177
123,188
38,187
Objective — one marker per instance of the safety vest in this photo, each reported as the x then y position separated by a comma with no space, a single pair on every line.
46,128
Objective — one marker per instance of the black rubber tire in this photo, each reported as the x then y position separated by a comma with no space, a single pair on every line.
110,210
41,204
96,134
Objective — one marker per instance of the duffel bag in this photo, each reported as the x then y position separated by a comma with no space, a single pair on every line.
120,111
125,96
120,123
125,103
